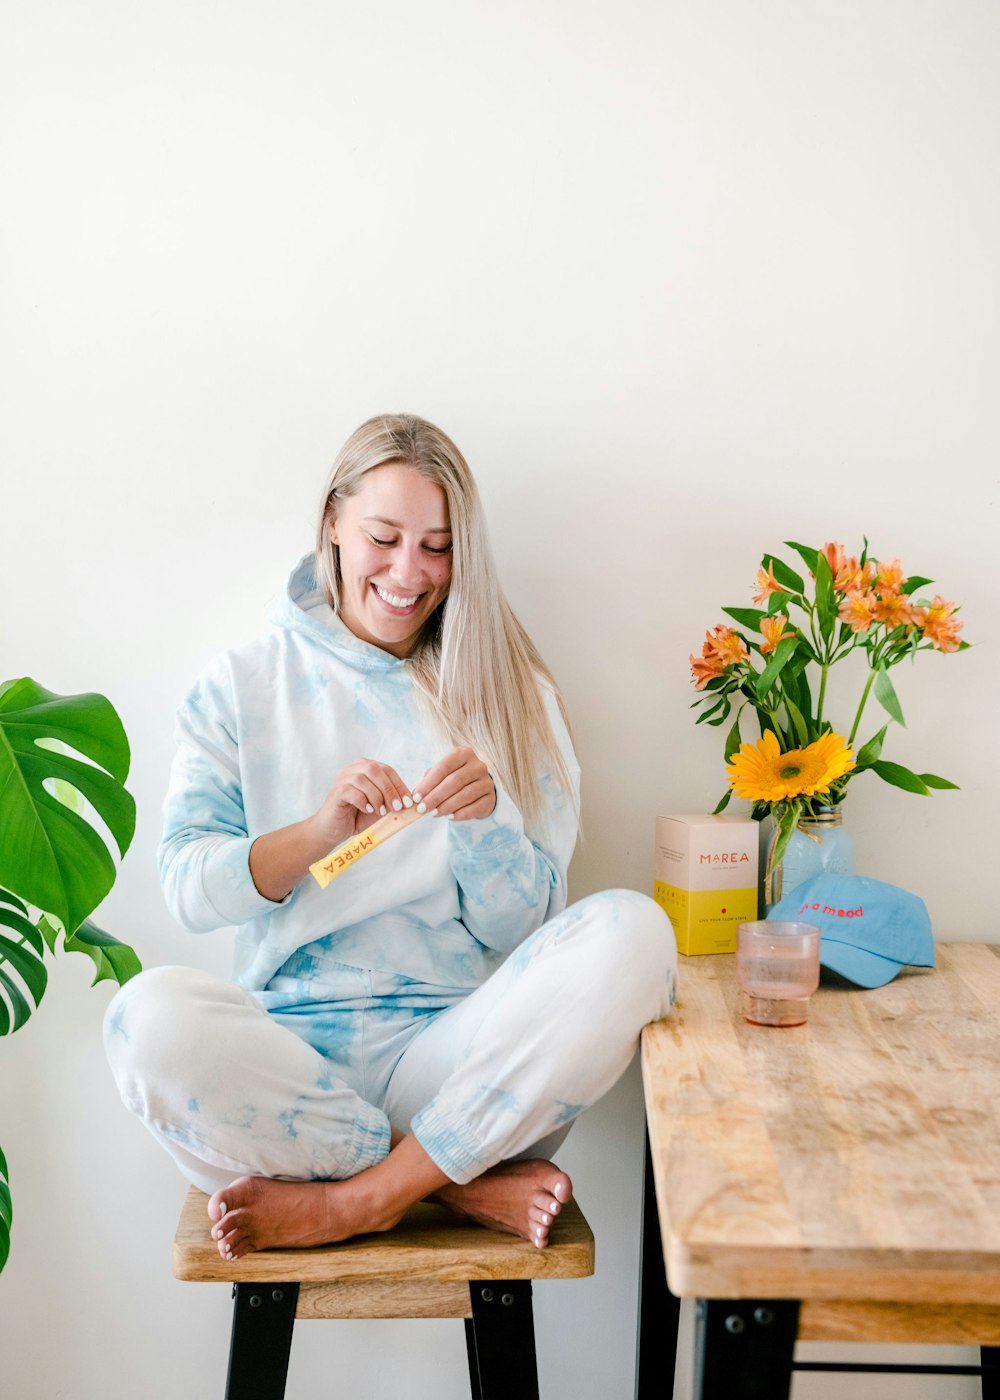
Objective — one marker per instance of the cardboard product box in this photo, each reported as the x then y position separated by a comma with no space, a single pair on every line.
705,877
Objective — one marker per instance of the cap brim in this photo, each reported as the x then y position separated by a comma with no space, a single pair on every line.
857,964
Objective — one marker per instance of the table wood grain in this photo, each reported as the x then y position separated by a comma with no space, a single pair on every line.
854,1158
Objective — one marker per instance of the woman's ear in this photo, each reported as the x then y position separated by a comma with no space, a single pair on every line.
333,530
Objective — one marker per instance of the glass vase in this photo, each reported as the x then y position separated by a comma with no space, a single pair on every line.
820,845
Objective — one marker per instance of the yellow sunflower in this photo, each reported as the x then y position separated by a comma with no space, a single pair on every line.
763,773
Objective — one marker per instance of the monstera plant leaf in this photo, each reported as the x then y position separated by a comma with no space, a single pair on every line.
6,1211
63,761
50,854
21,966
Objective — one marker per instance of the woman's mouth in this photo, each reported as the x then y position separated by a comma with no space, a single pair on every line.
395,601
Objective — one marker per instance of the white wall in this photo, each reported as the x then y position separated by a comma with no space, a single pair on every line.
684,278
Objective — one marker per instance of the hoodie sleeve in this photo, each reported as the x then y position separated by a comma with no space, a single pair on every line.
205,852
510,883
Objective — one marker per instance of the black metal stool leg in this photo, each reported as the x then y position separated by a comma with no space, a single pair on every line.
263,1317
659,1310
501,1341
744,1350
989,1359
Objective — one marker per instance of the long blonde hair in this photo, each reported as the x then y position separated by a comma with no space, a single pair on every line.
475,664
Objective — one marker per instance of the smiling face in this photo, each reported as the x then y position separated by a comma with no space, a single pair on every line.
394,538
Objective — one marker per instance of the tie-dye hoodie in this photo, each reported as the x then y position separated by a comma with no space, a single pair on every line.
261,737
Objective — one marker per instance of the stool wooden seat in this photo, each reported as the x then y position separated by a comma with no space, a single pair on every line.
432,1264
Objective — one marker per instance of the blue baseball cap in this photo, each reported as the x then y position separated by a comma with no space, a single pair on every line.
868,929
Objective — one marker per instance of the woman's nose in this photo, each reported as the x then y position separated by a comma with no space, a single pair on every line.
407,565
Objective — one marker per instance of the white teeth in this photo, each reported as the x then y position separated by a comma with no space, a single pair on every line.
394,601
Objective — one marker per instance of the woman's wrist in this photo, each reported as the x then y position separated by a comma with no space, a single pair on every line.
281,859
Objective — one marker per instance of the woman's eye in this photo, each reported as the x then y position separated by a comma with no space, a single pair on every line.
431,549
384,543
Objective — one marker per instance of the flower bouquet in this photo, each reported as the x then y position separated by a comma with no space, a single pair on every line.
777,659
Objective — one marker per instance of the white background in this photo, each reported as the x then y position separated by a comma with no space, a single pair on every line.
683,278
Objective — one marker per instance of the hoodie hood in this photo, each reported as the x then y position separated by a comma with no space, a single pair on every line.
303,608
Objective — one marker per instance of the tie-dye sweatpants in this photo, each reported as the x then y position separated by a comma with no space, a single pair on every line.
233,1083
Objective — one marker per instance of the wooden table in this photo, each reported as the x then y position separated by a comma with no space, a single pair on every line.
836,1181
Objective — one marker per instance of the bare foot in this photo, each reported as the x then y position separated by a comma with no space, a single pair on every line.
522,1198
256,1212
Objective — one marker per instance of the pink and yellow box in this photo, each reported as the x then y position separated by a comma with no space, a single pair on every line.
705,879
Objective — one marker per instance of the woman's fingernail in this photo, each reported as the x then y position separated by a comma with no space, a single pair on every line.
421,806
435,812
417,797
223,1207
407,801
397,806
381,810
369,807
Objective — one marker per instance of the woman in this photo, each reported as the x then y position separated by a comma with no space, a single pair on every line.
430,1024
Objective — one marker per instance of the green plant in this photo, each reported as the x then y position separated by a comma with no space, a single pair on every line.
63,762
854,607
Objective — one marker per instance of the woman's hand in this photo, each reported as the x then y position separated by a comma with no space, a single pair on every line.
459,786
361,793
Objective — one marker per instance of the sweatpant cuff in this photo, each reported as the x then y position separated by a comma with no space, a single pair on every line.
369,1145
449,1144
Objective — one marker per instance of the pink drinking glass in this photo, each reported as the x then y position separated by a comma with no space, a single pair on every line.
777,967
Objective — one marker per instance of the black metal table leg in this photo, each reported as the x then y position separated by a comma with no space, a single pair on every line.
744,1350
263,1317
989,1359
501,1341
659,1310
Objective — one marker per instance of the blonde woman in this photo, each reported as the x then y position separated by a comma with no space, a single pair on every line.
430,1024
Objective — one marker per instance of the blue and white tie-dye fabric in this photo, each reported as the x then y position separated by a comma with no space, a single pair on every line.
261,737
309,1089
441,987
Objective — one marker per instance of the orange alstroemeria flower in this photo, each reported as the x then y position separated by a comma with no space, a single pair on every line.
858,611
726,645
853,577
894,610
721,648
770,630
889,577
834,557
766,585
938,625
705,669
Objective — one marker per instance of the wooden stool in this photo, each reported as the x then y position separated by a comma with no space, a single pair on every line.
432,1264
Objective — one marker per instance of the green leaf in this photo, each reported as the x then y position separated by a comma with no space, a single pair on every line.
786,825
909,584
20,967
826,600
886,695
796,717
52,856
807,555
869,752
722,803
11,919
747,617
933,781
900,777
733,740
723,715
6,1211
7,898
786,576
776,663
115,961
